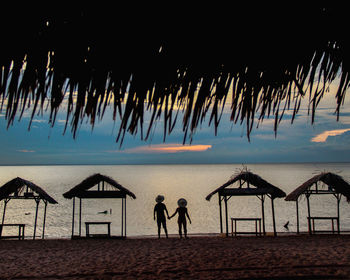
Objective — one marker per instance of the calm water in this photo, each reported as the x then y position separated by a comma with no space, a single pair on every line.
192,182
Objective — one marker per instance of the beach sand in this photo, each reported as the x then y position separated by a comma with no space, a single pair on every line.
285,257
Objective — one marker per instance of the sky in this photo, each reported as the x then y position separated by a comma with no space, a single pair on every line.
327,140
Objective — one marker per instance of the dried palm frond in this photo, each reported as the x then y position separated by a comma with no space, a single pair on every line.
88,58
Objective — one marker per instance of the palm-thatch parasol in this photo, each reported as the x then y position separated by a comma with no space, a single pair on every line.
335,185
250,184
260,186
159,58
19,188
82,189
18,185
106,188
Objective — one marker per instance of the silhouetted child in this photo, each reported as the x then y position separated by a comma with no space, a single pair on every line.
182,211
159,208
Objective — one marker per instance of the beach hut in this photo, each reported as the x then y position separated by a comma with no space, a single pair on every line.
248,184
99,186
264,58
19,188
325,183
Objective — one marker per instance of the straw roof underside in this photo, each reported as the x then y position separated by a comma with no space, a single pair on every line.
18,184
254,180
93,180
333,180
165,58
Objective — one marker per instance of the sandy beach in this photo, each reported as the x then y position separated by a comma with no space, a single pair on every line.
286,257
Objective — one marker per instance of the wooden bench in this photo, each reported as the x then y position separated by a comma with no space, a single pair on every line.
108,224
20,235
256,220
311,221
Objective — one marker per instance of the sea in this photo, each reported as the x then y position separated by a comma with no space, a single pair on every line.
192,182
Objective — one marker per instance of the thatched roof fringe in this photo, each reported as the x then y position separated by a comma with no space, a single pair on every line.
253,179
270,64
93,180
334,181
18,184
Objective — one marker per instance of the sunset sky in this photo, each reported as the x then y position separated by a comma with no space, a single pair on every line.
325,141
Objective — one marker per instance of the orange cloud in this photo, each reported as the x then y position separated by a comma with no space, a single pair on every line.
26,151
322,137
168,149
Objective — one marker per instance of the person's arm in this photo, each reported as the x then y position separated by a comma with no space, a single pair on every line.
173,214
154,213
188,216
166,210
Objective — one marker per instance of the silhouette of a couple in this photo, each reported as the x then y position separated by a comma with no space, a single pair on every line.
160,208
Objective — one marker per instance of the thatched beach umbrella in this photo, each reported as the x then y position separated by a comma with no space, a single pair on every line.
335,185
19,188
250,184
159,59
105,187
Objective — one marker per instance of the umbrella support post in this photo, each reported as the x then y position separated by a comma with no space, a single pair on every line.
125,217
80,206
338,197
226,215
220,214
36,216
273,218
73,217
43,236
308,213
297,207
122,217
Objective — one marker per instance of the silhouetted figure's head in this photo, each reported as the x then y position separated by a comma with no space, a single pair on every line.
159,198
182,202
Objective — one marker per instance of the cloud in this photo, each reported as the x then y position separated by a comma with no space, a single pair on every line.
322,137
269,137
26,151
166,149
39,121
